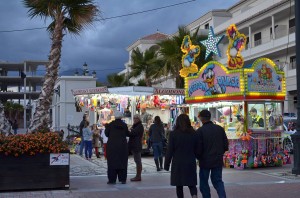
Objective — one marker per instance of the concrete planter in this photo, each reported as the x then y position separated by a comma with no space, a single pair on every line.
42,171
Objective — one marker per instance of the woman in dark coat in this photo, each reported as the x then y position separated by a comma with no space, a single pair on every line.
135,145
117,150
182,151
157,136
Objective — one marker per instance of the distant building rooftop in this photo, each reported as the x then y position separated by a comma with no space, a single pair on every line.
155,36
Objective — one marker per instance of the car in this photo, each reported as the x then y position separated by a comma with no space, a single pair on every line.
289,126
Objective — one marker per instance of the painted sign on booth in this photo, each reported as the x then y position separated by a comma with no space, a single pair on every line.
213,79
265,78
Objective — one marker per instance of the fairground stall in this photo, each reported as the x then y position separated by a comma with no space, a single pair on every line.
146,101
246,101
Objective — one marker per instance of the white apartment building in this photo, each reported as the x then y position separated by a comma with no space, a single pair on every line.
147,42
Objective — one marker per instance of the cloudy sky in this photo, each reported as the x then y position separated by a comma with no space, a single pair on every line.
103,46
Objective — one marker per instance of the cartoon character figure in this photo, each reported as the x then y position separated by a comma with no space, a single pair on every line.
237,42
190,53
265,73
209,77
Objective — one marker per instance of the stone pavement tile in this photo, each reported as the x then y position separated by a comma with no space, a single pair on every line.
79,166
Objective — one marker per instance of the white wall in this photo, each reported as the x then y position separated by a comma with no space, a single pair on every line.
64,111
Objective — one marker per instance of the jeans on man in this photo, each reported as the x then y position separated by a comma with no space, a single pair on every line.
157,149
216,180
81,146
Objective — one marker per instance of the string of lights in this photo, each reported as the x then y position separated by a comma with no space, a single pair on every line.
107,18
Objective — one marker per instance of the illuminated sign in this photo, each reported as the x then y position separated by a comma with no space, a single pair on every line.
213,80
265,78
166,91
89,91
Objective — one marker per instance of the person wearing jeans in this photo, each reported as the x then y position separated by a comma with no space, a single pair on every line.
88,137
156,136
212,144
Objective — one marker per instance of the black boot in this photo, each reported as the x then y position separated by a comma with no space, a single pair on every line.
161,162
156,163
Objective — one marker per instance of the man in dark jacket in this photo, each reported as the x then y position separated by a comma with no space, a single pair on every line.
117,149
212,145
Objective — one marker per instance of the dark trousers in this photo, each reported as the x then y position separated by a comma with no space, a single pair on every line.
157,150
216,180
81,146
179,191
112,174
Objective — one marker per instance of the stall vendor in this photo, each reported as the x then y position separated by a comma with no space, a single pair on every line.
257,120
145,117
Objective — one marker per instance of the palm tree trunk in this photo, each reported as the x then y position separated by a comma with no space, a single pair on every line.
41,117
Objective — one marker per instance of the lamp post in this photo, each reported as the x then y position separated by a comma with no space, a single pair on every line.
85,69
296,136
94,74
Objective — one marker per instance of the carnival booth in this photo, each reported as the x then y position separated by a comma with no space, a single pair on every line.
146,101
247,101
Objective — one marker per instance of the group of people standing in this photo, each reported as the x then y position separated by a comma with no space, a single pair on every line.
185,147
207,144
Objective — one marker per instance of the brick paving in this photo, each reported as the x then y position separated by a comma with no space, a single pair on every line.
88,179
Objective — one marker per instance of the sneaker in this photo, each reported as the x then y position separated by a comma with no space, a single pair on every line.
123,182
111,182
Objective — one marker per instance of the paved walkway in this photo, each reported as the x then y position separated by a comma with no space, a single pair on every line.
98,166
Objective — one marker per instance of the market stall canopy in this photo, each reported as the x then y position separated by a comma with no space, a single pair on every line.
132,90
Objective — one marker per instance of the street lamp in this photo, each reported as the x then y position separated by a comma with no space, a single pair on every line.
296,136
94,74
85,68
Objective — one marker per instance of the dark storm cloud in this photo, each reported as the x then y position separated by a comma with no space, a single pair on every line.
103,46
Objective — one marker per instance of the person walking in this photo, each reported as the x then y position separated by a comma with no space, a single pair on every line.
96,139
15,127
117,150
135,145
212,145
181,152
81,125
157,136
88,137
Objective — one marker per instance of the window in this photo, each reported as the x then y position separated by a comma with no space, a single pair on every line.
292,25
293,62
257,39
206,26
266,115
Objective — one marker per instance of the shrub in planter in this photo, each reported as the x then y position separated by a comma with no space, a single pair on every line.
27,162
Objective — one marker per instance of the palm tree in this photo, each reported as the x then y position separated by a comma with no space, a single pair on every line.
144,64
171,55
116,80
67,16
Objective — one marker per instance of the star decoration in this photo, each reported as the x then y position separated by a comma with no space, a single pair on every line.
211,43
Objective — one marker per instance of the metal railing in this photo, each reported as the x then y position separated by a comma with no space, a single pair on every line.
257,42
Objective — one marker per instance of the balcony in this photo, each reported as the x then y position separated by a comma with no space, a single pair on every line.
257,42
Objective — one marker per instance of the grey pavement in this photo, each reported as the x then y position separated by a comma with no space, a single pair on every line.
88,179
